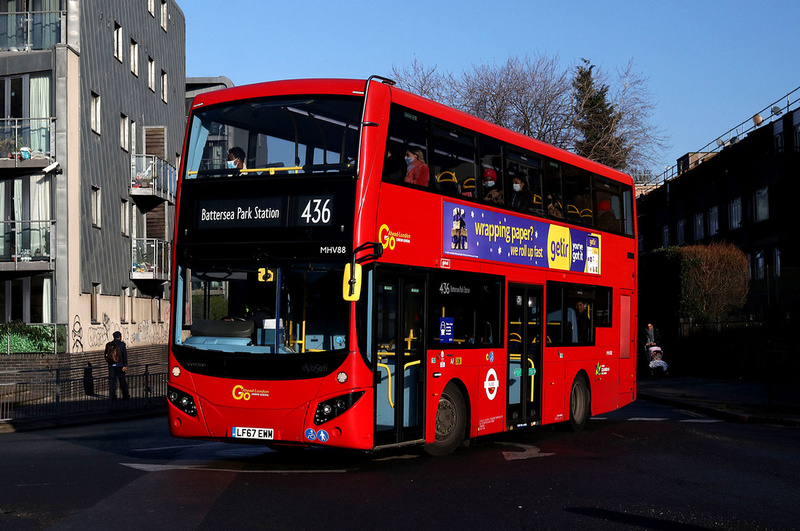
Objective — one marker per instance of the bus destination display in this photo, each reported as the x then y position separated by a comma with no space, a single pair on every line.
237,213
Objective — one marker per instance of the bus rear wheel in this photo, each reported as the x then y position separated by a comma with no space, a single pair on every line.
451,422
579,404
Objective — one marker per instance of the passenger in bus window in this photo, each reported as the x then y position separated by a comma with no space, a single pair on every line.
606,219
236,157
522,198
554,207
491,192
417,171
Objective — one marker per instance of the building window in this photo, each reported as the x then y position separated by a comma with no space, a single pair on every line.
759,262
125,217
713,221
698,226
123,305
118,41
95,301
96,210
777,262
95,110
735,213
777,132
134,58
762,204
164,15
124,132
164,86
665,236
680,232
151,74
151,7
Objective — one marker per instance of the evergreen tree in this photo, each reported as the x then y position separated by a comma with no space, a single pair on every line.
597,121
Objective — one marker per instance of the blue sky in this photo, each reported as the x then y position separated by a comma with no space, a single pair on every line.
711,65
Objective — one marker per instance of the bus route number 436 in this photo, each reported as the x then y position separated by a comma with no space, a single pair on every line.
317,211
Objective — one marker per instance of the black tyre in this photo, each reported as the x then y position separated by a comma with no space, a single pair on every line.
579,404
451,422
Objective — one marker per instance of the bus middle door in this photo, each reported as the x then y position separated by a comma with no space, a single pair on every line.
524,355
399,367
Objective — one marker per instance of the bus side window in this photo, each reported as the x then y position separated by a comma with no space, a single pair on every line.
553,200
490,182
578,195
407,132
452,159
608,203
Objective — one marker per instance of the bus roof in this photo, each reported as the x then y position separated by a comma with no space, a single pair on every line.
355,87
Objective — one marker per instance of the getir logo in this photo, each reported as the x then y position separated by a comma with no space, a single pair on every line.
559,247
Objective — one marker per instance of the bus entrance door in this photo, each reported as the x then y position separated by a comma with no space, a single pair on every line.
399,368
524,355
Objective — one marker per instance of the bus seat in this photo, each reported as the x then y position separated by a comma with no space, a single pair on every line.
586,214
468,187
447,182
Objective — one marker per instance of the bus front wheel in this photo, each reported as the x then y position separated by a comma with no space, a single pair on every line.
451,422
579,404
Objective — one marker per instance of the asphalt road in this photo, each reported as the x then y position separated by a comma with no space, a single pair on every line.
645,466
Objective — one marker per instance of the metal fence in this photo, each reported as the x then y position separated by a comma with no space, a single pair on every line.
63,394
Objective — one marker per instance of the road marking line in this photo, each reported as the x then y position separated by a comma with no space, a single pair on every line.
655,419
529,451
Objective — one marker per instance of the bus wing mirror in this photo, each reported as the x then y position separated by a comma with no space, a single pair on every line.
351,283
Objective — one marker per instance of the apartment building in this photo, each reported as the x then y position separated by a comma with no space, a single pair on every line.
92,93
740,189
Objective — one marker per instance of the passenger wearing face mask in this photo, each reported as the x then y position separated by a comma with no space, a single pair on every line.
491,192
236,158
417,171
522,198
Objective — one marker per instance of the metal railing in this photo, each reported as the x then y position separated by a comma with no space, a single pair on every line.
766,115
151,175
58,393
20,338
150,258
32,30
26,240
24,139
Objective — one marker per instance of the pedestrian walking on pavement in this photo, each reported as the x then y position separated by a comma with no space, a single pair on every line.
116,355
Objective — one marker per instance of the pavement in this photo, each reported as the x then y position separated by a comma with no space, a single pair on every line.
732,400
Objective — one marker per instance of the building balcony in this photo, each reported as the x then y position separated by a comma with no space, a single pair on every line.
26,246
153,176
32,30
150,259
26,142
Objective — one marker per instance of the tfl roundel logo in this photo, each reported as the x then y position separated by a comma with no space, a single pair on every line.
559,248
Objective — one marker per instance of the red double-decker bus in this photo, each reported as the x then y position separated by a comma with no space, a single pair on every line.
360,267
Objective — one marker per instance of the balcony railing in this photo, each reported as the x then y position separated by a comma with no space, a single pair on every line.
26,241
151,175
34,30
26,140
150,259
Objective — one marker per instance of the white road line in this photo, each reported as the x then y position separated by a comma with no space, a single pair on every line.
654,419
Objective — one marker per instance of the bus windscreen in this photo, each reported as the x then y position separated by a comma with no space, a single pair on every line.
274,137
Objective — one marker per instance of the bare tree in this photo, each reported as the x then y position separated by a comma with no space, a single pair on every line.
536,97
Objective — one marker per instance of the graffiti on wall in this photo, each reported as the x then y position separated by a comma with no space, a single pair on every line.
97,335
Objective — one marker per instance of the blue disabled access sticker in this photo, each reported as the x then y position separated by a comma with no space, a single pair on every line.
322,436
311,434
